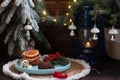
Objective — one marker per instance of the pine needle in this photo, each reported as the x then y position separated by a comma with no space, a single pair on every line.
11,46
8,36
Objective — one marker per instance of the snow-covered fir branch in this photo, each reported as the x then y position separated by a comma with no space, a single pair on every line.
4,4
29,14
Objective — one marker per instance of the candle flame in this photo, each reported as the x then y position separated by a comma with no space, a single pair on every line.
88,44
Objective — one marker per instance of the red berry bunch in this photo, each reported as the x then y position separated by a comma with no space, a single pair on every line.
52,57
59,74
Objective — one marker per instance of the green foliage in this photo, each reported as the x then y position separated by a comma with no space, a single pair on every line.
60,61
109,7
101,4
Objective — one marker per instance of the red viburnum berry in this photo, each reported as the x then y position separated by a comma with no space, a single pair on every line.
59,74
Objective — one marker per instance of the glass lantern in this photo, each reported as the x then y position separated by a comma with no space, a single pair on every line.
85,41
87,48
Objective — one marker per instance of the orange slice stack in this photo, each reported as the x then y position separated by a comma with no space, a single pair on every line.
32,56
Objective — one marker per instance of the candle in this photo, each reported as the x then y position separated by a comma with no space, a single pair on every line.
87,44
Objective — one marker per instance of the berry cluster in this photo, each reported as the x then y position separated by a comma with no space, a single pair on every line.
52,57
60,75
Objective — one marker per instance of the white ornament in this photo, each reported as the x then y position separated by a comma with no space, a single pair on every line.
95,37
95,30
28,27
112,37
113,32
72,27
72,33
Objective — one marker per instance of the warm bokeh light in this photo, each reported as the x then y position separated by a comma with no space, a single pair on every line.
75,1
69,6
54,20
67,14
38,1
64,24
44,12
70,20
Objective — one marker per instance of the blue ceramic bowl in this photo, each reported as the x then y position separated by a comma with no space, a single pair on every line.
35,70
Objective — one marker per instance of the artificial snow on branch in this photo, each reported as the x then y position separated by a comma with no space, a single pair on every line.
10,14
3,25
31,3
17,32
22,43
28,14
6,18
8,36
3,5
11,46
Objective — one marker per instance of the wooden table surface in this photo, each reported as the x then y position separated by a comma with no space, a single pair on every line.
109,68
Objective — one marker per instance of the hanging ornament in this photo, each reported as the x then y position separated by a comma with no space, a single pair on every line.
95,31
72,27
113,32
27,28
72,33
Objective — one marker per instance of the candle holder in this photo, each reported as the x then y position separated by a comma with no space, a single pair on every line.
82,43
87,47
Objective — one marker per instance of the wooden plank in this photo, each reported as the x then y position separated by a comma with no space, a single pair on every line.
59,7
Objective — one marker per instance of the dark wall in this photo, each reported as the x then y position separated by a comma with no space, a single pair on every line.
59,39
